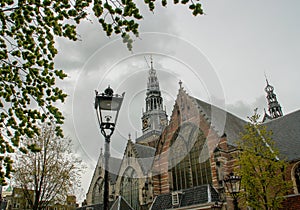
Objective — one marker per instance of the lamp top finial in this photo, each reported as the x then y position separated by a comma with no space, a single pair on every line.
108,91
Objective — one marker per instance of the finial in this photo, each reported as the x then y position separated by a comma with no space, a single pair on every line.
129,136
180,84
108,91
266,79
151,61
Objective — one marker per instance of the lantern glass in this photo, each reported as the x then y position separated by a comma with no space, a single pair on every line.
107,106
233,183
109,102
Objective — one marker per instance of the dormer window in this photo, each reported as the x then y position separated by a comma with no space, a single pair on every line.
175,198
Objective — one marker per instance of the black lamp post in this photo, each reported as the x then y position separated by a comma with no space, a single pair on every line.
107,107
233,185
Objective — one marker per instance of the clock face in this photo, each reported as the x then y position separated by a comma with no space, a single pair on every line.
145,123
163,122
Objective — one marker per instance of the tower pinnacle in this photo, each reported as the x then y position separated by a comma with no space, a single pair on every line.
180,84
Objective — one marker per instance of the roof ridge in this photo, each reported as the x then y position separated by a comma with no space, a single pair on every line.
282,117
218,107
141,145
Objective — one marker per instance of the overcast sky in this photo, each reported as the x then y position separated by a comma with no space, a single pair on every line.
221,58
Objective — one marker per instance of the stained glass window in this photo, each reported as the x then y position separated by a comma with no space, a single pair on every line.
130,187
297,177
98,191
189,158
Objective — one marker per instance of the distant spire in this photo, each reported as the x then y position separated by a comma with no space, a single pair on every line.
153,84
180,84
273,105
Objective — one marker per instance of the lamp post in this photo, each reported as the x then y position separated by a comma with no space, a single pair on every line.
216,206
107,106
233,185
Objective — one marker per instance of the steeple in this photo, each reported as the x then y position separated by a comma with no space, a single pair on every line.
153,100
274,107
154,119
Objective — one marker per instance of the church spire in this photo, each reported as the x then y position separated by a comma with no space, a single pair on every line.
153,84
153,100
154,118
274,107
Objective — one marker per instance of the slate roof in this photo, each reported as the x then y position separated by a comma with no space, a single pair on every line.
119,204
189,197
148,134
222,121
98,206
114,167
286,129
145,155
286,134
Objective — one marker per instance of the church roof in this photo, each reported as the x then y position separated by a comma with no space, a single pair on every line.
286,134
114,167
286,131
121,204
98,206
147,135
145,155
222,121
188,197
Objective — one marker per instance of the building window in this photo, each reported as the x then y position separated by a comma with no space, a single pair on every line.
189,158
297,178
130,187
175,199
98,190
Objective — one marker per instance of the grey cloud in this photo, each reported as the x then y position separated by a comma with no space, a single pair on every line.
244,110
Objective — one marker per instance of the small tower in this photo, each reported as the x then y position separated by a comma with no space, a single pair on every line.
154,118
274,107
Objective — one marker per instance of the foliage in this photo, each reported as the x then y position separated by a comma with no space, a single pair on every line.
51,173
263,173
28,94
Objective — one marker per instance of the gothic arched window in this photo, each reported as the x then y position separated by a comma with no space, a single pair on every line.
130,187
98,190
297,178
189,158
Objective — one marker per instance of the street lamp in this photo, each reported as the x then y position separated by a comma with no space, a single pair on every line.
233,185
216,206
107,106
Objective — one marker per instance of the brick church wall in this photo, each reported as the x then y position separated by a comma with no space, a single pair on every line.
185,110
292,202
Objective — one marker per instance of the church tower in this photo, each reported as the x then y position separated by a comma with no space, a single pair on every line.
154,119
274,107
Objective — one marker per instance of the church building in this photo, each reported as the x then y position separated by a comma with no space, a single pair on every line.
181,163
